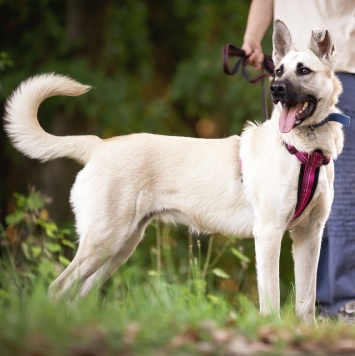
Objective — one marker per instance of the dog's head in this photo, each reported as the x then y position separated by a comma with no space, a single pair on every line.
305,85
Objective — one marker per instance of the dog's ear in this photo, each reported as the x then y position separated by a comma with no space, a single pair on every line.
282,41
322,45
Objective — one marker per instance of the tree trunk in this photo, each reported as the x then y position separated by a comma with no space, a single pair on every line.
85,32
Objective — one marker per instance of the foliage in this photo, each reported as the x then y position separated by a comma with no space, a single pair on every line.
160,68
5,62
199,263
156,317
154,67
37,248
162,305
34,244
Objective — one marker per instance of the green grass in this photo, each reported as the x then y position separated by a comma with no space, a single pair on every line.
144,317
174,296
154,316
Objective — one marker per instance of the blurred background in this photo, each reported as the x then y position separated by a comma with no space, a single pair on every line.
155,66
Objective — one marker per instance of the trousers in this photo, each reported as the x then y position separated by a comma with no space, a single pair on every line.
336,267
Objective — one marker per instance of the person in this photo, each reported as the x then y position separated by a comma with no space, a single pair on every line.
336,268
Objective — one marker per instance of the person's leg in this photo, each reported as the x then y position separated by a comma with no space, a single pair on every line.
324,285
336,269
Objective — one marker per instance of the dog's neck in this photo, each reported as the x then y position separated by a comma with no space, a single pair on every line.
327,135
337,117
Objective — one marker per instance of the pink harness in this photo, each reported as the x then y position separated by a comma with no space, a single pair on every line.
310,166
308,178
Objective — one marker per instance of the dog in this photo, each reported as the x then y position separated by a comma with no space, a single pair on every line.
241,185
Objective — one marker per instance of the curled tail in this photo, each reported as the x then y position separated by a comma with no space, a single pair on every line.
22,126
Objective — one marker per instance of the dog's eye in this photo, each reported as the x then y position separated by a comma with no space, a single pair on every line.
278,72
304,71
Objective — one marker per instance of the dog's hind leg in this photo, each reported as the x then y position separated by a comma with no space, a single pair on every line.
88,259
306,248
267,249
107,269
97,259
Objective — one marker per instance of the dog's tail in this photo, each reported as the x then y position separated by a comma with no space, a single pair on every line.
21,123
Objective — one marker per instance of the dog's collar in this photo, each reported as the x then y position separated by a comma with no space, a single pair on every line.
341,118
308,178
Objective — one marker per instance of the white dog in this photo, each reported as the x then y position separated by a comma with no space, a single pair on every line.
245,186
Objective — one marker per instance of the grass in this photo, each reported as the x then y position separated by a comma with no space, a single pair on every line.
202,302
155,317
145,317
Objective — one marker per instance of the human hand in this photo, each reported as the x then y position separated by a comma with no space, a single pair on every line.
255,53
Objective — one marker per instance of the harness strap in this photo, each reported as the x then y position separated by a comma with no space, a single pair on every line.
308,178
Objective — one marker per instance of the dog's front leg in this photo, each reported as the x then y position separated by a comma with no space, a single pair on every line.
306,248
267,249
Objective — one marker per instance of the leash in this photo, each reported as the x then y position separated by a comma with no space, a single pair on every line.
267,65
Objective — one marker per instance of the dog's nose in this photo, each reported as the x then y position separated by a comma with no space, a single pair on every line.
278,88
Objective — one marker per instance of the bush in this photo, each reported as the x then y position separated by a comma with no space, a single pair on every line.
31,243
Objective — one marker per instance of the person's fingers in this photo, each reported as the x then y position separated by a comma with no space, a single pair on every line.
250,53
256,58
247,49
255,55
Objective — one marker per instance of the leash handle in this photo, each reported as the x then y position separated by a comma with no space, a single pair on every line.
231,51
268,65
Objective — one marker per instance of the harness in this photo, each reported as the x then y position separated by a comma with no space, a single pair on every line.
310,166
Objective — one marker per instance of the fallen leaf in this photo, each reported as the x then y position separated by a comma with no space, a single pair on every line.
11,234
344,346
130,335
268,334
239,346
189,336
221,335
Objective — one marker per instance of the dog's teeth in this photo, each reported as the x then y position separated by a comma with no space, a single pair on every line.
305,105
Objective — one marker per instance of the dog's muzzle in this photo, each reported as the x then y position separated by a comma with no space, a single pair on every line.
296,105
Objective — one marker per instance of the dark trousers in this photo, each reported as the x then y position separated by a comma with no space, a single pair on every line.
336,269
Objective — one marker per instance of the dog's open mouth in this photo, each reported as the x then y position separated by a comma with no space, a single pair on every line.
293,115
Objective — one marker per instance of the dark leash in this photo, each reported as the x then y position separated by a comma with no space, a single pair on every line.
267,70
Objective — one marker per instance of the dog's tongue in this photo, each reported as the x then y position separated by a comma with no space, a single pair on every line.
288,117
